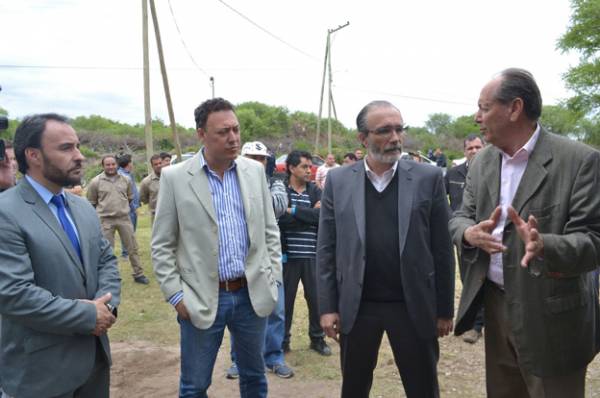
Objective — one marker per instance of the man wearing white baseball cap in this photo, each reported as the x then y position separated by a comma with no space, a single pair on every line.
273,354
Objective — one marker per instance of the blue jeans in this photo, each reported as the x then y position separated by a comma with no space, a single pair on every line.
273,352
199,347
133,218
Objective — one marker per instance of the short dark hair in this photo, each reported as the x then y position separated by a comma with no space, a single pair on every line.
209,106
29,135
351,156
154,157
104,157
361,119
124,160
164,155
294,158
472,137
519,83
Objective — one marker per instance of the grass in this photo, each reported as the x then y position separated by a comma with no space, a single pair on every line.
145,316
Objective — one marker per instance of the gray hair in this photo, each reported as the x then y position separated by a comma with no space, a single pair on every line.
519,83
361,119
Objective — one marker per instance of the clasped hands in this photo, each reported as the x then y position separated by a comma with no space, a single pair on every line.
480,235
104,317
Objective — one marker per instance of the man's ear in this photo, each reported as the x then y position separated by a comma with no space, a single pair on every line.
516,109
33,156
201,133
362,138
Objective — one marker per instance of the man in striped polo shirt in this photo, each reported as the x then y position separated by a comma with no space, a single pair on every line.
299,246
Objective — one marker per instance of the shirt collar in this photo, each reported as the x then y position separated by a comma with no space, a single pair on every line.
371,173
205,166
527,148
44,193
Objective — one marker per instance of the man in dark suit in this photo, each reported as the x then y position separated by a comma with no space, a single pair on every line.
529,228
59,282
384,265
455,180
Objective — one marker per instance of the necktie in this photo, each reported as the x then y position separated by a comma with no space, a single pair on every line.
58,201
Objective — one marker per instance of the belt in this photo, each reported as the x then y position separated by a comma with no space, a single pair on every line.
234,284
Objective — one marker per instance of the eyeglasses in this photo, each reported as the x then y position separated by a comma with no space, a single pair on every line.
386,131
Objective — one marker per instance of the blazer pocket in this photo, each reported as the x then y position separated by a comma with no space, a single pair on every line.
559,304
544,212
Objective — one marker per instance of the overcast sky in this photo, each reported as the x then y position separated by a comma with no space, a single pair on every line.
85,57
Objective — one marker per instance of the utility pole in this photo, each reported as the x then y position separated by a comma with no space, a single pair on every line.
212,86
147,112
163,70
330,103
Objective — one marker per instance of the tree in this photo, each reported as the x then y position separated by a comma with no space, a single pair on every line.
438,123
583,36
559,119
462,126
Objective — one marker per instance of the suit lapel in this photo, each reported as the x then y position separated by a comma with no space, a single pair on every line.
199,184
535,173
491,175
78,216
42,210
245,181
358,199
405,199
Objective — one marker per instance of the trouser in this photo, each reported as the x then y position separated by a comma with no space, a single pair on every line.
479,317
294,271
134,218
504,377
199,347
274,332
96,386
415,357
125,229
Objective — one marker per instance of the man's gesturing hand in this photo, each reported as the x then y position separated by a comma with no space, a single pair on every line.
104,318
528,232
480,235
330,323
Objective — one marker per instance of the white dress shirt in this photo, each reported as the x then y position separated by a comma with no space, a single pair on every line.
380,182
511,172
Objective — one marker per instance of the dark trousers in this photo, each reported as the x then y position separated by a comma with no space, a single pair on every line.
415,357
503,376
479,318
294,271
97,385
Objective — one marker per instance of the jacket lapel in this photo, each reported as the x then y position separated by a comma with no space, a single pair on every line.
535,173
358,199
245,180
199,184
42,210
78,216
491,176
405,199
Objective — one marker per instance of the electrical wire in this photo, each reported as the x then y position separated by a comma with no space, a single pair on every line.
269,33
187,50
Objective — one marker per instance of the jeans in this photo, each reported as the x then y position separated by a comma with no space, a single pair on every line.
133,218
199,347
273,351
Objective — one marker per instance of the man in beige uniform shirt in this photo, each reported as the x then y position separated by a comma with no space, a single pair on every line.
149,185
110,193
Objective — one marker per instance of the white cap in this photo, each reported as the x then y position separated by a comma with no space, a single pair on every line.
254,148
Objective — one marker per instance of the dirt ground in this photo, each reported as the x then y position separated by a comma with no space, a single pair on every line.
143,369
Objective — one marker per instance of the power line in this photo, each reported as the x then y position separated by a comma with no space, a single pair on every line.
267,32
407,96
136,68
183,42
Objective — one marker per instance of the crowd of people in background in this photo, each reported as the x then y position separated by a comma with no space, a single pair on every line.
372,240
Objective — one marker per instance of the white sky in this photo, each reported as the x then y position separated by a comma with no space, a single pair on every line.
424,56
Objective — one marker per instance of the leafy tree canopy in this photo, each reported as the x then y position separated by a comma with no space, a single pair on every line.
583,36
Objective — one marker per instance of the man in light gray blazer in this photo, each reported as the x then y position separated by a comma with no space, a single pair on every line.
385,261
216,253
59,282
529,228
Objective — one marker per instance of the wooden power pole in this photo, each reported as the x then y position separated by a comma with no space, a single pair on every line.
165,80
147,112
330,103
